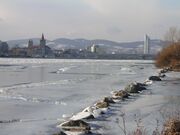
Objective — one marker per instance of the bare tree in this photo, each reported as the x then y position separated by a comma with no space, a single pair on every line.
172,35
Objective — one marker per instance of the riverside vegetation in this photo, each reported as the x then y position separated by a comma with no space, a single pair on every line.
169,57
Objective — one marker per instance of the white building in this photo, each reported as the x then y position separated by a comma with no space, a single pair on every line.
94,48
146,44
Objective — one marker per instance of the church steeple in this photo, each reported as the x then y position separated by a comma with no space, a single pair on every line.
42,41
42,38
43,45
30,43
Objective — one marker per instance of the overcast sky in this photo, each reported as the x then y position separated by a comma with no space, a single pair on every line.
118,20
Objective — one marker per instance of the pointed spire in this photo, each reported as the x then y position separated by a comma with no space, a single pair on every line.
42,37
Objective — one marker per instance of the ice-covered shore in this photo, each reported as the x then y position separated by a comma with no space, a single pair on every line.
38,94
81,123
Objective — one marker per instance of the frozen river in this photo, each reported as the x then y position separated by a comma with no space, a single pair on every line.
35,94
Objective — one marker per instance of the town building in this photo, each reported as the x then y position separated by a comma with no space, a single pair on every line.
146,44
94,48
4,49
39,51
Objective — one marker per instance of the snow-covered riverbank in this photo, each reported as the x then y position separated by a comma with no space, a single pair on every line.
41,93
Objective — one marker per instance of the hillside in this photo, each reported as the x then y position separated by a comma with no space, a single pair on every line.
106,45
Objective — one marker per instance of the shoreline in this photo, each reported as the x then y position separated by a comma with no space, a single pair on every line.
98,57
116,74
104,111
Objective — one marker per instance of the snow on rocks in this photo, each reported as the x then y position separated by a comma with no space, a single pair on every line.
94,111
82,115
90,109
148,82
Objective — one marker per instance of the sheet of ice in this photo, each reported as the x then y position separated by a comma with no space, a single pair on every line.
32,92
160,101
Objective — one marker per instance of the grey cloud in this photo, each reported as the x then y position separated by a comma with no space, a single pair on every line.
108,19
1,19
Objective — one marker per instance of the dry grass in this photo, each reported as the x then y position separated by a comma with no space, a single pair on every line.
169,57
170,127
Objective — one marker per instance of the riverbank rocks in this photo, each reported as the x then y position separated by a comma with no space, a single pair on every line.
102,104
134,87
148,82
96,112
165,70
172,127
120,94
155,78
75,126
82,115
108,100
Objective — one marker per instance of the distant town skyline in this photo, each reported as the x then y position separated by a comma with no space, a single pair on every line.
117,20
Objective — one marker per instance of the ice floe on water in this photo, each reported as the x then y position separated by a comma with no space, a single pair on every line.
64,69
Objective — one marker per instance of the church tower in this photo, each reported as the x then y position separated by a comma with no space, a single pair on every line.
43,46
42,41
30,44
30,48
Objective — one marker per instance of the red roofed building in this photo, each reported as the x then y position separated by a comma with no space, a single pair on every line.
40,50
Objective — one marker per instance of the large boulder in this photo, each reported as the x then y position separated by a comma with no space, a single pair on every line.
108,100
120,94
102,104
155,78
134,87
76,126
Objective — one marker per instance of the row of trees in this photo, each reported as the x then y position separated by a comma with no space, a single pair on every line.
172,35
